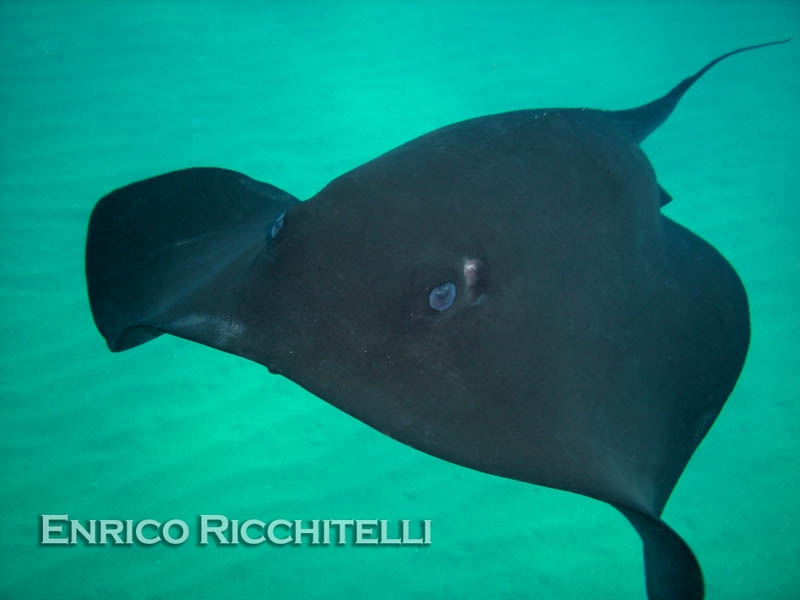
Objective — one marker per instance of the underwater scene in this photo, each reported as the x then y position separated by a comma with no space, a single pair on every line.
463,453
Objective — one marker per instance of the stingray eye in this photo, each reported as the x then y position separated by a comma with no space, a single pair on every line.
277,225
442,296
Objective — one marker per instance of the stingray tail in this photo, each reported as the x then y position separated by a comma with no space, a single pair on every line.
645,119
671,570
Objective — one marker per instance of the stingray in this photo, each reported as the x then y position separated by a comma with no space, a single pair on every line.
503,293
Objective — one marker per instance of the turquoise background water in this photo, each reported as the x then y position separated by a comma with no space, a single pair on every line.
94,95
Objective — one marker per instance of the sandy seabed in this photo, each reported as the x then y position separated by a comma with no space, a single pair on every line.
96,95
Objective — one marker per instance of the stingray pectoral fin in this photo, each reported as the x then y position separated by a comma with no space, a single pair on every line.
170,254
671,569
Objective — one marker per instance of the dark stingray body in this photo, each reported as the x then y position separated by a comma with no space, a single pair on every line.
591,344
598,312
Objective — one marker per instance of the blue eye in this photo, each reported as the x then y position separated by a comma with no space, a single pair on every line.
442,296
277,225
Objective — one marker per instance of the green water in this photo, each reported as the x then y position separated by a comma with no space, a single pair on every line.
95,95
